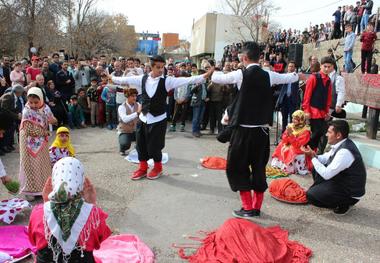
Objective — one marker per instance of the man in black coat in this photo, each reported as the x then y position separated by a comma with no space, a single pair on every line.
65,82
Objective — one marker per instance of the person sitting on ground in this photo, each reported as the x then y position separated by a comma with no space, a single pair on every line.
61,146
69,226
76,116
129,112
339,175
288,155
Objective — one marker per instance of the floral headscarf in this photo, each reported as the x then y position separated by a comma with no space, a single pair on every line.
66,213
300,115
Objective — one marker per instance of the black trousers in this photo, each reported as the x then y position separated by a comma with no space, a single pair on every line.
215,115
318,129
180,113
248,155
366,61
150,140
125,141
287,109
328,194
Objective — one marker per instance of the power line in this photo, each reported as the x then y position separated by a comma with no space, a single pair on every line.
310,10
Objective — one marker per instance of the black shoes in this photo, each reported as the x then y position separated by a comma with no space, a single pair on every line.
246,213
342,210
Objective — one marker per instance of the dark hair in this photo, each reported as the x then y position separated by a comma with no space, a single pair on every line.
292,62
194,65
340,126
328,60
201,71
252,50
33,96
6,120
130,91
137,60
156,59
80,90
130,59
316,67
55,54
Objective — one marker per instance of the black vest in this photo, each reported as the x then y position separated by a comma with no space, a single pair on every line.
254,103
155,105
320,93
353,178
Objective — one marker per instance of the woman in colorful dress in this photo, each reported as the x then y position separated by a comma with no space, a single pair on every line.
69,226
35,166
288,155
61,146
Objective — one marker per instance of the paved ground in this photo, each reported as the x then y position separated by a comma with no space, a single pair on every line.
189,199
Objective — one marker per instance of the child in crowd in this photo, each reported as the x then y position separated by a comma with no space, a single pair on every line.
35,165
288,155
76,116
109,98
101,104
92,101
82,101
69,226
61,146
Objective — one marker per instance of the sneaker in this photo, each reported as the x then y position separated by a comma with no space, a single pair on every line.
172,128
182,128
141,172
246,213
196,134
342,210
123,154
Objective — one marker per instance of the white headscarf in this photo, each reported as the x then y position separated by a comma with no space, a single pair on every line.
66,205
36,91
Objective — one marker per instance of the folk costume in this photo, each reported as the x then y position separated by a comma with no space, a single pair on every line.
35,166
151,128
288,155
67,228
251,116
58,149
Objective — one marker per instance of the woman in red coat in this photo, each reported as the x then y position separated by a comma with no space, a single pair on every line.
288,155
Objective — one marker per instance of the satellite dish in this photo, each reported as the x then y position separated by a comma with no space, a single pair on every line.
33,50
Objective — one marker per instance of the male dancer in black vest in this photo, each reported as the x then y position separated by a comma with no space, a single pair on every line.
151,129
339,175
251,115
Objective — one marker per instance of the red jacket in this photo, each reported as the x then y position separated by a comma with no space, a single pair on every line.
310,86
368,39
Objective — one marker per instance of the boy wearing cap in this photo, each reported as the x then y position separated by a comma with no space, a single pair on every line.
151,128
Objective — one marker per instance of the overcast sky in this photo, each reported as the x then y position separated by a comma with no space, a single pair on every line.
176,16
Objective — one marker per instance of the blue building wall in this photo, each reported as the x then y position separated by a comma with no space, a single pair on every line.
148,47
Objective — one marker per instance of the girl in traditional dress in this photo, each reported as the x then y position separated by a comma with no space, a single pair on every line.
69,226
61,146
35,166
288,155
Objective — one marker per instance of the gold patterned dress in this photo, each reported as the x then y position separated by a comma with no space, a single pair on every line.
35,165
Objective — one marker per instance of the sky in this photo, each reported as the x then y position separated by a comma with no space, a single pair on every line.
177,16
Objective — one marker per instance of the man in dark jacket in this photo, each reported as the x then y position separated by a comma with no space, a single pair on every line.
65,82
289,99
12,104
339,175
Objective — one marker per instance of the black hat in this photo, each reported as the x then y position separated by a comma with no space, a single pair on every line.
340,115
157,58
74,97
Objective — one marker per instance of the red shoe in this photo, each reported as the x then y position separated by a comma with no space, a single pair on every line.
141,172
156,171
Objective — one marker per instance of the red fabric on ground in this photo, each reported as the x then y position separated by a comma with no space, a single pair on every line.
246,199
287,190
217,163
242,241
258,198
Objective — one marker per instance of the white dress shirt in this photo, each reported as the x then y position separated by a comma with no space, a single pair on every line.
236,77
151,88
339,87
342,160
122,110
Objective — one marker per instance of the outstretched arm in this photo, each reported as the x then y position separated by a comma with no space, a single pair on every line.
234,77
132,80
173,83
277,78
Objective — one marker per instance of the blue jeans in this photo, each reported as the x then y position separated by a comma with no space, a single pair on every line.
364,22
347,61
198,112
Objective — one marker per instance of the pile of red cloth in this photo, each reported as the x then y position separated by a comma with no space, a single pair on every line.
242,241
217,163
287,190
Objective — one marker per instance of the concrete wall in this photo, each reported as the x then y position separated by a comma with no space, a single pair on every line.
321,51
203,35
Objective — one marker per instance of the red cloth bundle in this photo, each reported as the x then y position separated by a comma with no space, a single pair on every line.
217,163
287,190
242,241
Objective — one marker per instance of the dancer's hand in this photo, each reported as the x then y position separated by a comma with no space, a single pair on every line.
89,192
48,188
